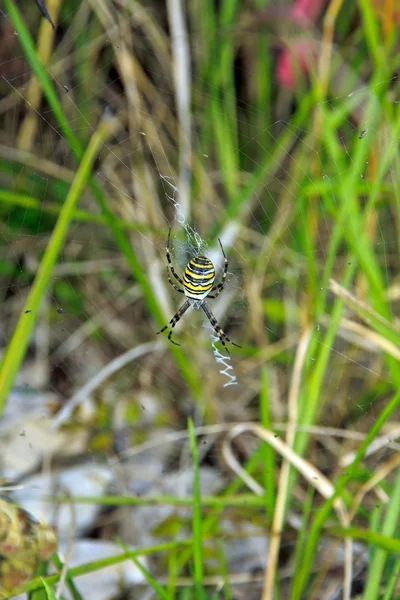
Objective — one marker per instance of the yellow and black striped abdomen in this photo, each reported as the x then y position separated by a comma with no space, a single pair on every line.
199,277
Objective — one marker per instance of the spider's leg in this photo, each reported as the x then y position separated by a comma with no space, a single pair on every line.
172,283
214,324
167,251
177,316
218,288
174,273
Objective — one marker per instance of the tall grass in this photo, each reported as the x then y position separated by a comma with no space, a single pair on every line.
303,184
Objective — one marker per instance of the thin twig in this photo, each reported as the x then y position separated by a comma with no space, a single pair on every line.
283,486
112,367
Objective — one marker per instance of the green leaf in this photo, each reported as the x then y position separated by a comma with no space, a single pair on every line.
154,584
20,339
50,594
197,525
390,544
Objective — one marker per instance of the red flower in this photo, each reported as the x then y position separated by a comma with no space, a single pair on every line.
306,12
298,57
295,60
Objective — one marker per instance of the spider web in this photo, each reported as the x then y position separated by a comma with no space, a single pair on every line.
195,245
94,312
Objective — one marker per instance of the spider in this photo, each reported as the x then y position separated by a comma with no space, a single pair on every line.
198,283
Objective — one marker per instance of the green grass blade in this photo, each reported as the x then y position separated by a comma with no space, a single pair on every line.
96,565
267,166
49,592
154,584
303,533
219,502
75,595
323,512
310,402
39,594
18,199
385,543
268,453
211,521
392,581
30,53
371,31
223,569
197,528
390,523
368,314
18,344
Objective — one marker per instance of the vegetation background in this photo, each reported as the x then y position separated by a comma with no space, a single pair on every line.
269,473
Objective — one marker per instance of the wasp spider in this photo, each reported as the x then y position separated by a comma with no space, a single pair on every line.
198,283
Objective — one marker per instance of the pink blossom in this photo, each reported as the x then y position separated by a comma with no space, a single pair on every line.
298,57
306,12
295,60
